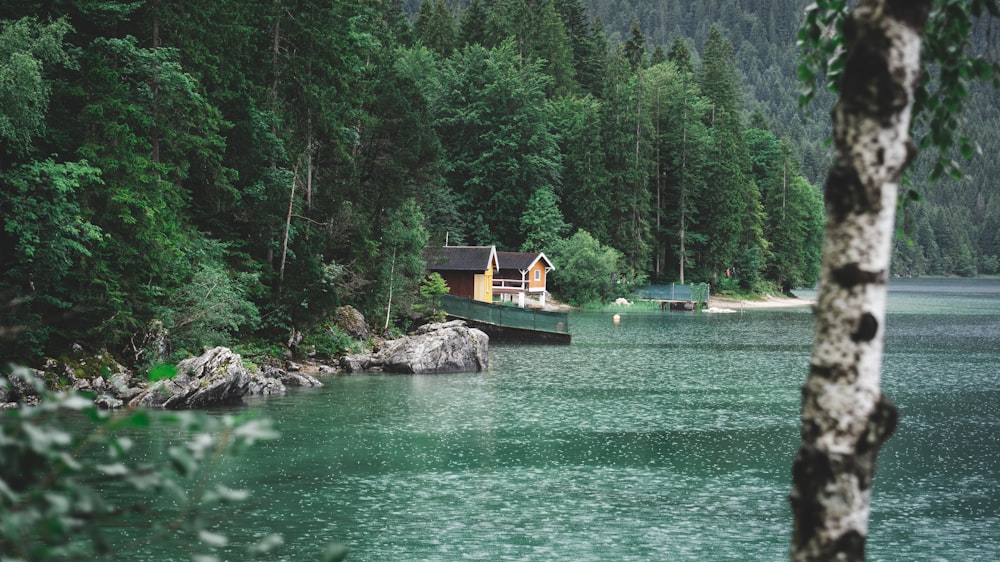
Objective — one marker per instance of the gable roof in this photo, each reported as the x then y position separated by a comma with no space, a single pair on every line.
460,258
522,261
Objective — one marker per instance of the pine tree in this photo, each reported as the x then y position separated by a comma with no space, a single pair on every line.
635,47
627,162
682,149
794,210
734,226
435,27
542,222
551,44
473,25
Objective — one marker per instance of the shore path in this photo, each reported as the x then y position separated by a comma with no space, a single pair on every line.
767,302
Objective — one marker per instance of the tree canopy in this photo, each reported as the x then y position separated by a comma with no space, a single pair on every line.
283,151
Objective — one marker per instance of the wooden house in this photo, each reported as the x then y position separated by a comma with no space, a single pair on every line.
468,270
522,275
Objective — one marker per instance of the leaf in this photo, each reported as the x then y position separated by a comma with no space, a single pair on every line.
5,491
213,539
266,544
226,494
334,552
256,430
116,469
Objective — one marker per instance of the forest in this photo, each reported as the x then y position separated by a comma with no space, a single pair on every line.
224,168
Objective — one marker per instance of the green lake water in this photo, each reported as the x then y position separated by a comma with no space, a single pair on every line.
667,437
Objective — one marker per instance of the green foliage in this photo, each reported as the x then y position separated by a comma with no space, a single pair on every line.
431,290
954,60
489,112
542,222
434,286
209,307
73,477
586,202
735,222
794,210
700,294
150,131
45,220
401,253
28,49
327,341
435,27
588,271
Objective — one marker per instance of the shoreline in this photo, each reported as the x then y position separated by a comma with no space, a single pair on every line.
719,304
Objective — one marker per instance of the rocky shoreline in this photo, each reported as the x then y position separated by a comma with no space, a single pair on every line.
220,376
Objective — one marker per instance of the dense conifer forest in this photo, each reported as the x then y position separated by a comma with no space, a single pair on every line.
223,167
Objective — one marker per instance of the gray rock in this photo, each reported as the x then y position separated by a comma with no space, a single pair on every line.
216,377
451,347
356,363
300,379
352,322
273,380
266,382
99,373
23,387
108,402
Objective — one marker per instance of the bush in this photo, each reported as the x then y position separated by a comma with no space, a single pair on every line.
586,271
69,476
328,341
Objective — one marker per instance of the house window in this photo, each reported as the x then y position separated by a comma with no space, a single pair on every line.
538,275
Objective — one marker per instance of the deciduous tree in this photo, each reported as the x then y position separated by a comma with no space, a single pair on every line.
876,67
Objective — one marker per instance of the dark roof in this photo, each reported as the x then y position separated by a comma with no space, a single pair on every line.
521,261
459,258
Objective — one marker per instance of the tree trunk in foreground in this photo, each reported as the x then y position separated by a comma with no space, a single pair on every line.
845,417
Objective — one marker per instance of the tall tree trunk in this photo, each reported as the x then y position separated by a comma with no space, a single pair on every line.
845,417
392,279
683,198
288,228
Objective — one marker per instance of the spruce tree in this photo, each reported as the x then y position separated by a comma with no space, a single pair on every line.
734,226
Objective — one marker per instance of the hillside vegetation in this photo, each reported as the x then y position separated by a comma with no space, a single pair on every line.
231,168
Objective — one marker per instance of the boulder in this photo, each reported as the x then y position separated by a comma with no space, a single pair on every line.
329,370
299,379
356,362
450,347
272,380
97,373
352,322
216,377
107,402
266,382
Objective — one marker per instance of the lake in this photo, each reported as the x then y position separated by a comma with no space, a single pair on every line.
667,437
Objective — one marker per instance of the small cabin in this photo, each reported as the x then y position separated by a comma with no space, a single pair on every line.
468,270
521,275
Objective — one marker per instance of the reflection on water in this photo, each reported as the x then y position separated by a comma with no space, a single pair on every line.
666,437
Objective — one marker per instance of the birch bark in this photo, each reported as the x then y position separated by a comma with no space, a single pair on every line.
845,416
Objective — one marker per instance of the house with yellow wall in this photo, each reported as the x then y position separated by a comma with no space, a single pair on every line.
468,270
522,275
